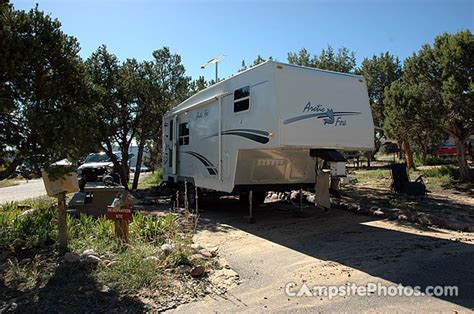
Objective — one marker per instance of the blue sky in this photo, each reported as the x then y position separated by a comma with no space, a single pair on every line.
201,30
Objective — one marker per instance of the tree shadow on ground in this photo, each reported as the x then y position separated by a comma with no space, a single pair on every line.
71,288
355,241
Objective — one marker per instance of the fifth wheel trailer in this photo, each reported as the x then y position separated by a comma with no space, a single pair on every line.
266,128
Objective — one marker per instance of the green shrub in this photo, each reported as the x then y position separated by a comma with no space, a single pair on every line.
432,160
36,228
152,179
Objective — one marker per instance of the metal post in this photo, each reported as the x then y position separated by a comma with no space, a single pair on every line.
177,200
301,201
217,77
62,221
197,199
220,137
186,203
251,218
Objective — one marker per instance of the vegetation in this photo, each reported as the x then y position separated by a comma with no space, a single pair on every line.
138,266
151,180
435,178
56,105
5,183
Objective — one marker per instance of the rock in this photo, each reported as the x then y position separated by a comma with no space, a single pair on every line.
27,213
184,269
195,246
111,264
206,253
196,257
402,217
72,257
198,271
378,212
214,250
93,259
167,248
152,258
89,252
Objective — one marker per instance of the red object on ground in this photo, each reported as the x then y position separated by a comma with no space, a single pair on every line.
452,151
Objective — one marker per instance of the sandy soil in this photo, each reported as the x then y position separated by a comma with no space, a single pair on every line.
335,248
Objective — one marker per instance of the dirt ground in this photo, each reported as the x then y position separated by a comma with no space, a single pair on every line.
335,248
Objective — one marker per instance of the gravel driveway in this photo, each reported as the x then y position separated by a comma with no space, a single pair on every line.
336,248
25,190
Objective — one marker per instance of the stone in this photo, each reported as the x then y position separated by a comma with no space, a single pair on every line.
184,269
167,248
198,271
378,212
214,251
402,217
92,259
195,246
196,257
27,213
89,252
111,264
206,253
152,258
72,257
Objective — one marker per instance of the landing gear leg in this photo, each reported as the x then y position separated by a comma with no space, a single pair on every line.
251,218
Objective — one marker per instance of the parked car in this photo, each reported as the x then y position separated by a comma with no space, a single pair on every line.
96,167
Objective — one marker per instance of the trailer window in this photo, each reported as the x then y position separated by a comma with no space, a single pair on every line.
242,99
183,134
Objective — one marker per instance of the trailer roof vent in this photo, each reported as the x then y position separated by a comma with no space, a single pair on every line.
327,154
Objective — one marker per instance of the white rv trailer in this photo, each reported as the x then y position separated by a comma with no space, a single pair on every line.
261,129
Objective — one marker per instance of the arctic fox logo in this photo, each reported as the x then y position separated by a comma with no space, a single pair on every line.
329,116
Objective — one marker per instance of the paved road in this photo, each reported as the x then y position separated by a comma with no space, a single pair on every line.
31,189
25,190
336,248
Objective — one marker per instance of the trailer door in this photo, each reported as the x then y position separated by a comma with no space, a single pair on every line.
174,143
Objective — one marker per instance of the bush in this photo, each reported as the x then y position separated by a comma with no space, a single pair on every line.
152,179
433,160
33,229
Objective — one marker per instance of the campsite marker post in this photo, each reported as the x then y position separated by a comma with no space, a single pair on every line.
121,217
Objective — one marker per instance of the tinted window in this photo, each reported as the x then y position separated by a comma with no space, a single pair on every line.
242,99
242,93
242,105
183,134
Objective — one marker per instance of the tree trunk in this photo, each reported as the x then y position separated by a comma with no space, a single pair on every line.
119,166
138,165
400,150
408,154
125,169
7,173
463,166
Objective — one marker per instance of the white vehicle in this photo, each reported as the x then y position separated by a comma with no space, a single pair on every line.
263,129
